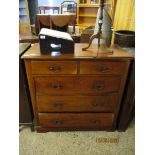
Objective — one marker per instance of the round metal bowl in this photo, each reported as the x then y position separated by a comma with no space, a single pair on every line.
124,38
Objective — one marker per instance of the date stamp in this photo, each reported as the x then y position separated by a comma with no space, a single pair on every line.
107,140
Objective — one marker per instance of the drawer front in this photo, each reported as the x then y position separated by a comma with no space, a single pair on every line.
103,67
76,85
76,120
54,67
77,103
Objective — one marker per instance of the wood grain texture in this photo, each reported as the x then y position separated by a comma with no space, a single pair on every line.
31,88
93,53
54,67
76,85
103,67
77,103
75,120
81,96
128,103
122,87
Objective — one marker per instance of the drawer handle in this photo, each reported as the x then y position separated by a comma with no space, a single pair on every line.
103,68
98,85
97,104
56,86
58,105
58,121
95,121
55,68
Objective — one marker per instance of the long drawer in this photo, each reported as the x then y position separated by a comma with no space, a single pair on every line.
54,67
103,67
76,120
79,85
77,103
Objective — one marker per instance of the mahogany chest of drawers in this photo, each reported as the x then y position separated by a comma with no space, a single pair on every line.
80,91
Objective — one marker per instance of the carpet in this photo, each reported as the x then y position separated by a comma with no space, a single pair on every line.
78,143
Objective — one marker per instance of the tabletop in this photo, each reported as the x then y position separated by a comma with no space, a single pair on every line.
92,53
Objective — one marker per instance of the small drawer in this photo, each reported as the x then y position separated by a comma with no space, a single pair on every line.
55,85
99,84
54,67
76,120
103,67
77,103
76,85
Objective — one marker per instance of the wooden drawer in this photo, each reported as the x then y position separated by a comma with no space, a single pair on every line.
54,67
103,67
77,103
76,120
79,85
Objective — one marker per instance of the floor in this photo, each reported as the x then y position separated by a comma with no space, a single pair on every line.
78,143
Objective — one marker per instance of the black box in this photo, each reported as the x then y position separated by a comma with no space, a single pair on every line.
52,40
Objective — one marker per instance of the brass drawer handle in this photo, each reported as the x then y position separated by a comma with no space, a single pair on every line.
98,85
97,104
55,68
58,105
56,86
58,121
95,121
103,68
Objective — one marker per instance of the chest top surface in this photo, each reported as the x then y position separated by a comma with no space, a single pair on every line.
92,53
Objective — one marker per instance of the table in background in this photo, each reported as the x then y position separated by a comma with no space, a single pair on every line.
28,38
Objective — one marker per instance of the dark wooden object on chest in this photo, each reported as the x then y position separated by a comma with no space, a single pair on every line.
25,106
80,91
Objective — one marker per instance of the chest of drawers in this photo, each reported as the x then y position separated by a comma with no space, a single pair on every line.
80,91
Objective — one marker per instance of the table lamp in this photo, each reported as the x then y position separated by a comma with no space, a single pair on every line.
98,34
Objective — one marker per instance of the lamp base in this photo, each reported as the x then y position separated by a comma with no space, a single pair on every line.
97,36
